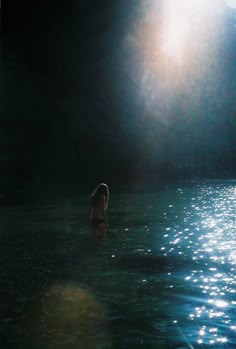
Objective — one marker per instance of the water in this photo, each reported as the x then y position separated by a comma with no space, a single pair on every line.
164,277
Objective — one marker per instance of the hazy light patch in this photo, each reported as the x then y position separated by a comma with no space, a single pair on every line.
231,3
173,45
175,31
69,311
178,29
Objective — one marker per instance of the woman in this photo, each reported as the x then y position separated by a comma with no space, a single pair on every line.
98,204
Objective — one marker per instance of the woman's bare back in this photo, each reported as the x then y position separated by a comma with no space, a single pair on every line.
99,209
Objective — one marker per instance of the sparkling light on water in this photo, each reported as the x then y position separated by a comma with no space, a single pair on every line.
209,239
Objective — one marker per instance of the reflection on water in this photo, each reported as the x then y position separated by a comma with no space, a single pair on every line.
164,277
211,215
67,316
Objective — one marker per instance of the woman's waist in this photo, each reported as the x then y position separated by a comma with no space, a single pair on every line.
98,220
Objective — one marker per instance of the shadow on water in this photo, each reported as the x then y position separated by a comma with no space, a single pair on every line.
150,263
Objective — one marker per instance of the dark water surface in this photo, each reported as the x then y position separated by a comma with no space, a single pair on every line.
164,277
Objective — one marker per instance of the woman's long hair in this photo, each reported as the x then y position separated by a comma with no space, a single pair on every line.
102,189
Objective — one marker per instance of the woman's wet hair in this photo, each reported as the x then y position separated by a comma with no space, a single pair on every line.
102,189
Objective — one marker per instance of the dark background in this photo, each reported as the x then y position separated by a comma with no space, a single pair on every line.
72,113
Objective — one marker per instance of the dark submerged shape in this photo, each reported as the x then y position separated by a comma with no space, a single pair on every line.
161,263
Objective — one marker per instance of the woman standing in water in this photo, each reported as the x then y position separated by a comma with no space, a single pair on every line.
98,204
